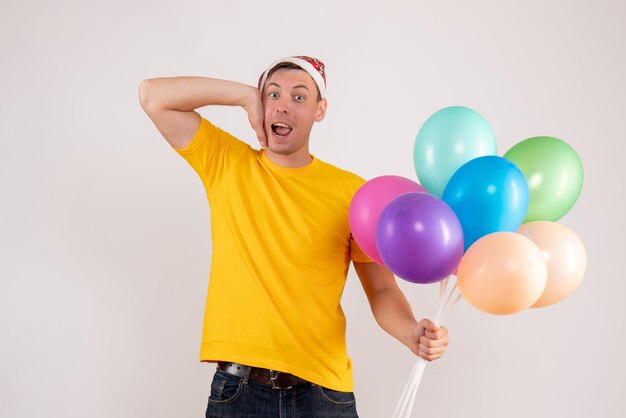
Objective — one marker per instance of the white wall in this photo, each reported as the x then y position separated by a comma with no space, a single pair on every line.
104,232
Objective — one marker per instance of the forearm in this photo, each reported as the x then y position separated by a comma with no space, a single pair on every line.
389,305
185,94
393,313
170,103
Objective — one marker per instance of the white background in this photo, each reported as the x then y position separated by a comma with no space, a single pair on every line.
104,231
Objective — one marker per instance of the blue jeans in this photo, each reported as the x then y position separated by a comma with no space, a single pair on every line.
232,397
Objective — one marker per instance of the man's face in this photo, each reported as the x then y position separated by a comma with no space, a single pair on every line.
291,107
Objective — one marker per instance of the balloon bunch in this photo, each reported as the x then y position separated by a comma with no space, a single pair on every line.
489,221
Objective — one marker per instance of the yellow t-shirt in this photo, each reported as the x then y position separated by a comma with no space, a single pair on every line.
281,252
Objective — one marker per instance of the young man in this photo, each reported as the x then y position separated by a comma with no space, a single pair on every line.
281,247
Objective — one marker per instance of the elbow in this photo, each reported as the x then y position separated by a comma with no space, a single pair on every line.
146,97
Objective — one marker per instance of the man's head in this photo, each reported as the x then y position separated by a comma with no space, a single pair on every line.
292,90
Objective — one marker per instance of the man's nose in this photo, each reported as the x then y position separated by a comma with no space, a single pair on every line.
282,106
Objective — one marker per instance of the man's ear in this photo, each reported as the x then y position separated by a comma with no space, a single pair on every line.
321,110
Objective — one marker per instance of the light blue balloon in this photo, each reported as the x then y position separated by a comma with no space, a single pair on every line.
447,140
488,194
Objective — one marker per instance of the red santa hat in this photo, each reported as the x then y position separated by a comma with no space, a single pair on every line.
313,66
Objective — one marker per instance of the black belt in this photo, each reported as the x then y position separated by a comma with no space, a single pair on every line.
273,378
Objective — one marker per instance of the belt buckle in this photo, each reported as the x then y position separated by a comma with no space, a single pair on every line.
273,376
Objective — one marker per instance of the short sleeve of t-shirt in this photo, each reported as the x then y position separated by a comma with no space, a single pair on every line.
212,152
357,254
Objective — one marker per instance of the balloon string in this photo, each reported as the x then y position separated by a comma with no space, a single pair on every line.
449,306
442,295
442,288
404,399
446,301
450,302
416,382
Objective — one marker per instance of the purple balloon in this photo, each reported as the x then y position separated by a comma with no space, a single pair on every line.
419,238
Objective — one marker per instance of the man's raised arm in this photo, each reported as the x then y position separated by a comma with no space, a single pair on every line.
170,103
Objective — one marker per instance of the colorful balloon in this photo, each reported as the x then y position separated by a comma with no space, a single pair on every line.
565,257
488,194
367,205
554,173
447,140
502,273
419,238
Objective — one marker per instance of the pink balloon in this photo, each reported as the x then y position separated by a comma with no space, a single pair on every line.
368,204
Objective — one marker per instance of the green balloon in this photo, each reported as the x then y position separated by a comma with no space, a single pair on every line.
554,174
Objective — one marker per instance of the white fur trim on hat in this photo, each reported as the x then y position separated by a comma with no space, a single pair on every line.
305,65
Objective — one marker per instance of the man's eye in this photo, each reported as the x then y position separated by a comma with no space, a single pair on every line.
273,95
299,98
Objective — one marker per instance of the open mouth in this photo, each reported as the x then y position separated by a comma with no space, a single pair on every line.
281,129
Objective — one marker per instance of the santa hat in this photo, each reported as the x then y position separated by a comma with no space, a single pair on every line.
313,66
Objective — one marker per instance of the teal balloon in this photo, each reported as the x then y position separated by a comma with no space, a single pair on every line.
448,139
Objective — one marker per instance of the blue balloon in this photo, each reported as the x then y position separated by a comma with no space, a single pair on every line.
488,194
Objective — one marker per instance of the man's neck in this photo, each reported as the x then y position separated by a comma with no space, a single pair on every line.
295,160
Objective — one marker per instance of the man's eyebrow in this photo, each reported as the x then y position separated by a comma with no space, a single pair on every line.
302,86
